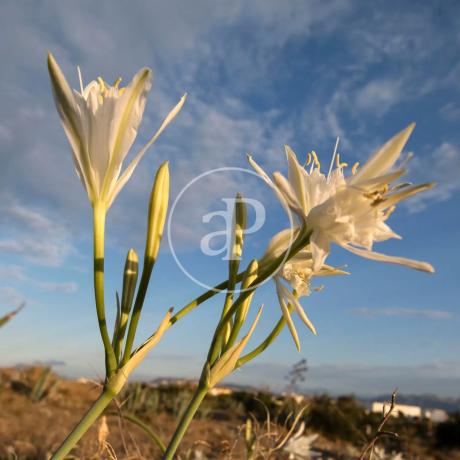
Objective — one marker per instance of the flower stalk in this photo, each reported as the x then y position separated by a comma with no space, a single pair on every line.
84,424
99,211
187,417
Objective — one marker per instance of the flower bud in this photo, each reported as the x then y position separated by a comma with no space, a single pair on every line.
239,226
249,276
129,281
158,208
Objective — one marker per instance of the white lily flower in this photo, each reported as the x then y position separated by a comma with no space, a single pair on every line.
297,273
101,124
352,211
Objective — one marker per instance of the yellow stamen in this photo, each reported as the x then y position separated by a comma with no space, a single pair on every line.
103,86
354,169
315,160
389,212
338,164
378,196
101,83
117,82
308,161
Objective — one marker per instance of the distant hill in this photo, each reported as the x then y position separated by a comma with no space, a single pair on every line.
425,401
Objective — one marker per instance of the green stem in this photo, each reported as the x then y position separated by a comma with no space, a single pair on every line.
99,231
83,425
202,298
186,418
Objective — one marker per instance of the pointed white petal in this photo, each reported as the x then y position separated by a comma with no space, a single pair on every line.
384,158
391,200
377,182
68,111
127,115
296,178
320,248
285,189
287,315
298,308
417,265
280,242
260,171
130,168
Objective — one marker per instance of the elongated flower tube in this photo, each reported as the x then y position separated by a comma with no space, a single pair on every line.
101,123
349,211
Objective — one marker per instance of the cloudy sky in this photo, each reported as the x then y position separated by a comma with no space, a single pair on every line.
259,74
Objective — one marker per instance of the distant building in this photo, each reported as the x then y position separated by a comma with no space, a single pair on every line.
219,391
436,415
403,409
298,398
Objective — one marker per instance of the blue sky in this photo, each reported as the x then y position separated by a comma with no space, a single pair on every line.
259,74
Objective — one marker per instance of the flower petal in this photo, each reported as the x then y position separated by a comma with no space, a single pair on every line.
127,115
394,198
418,265
287,294
280,242
384,158
320,248
287,315
288,194
260,171
377,182
296,178
68,111
132,166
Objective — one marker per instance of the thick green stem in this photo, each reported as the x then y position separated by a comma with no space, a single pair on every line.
84,424
99,231
186,418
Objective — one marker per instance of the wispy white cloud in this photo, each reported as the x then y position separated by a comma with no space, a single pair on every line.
11,296
440,166
13,272
398,312
18,273
33,235
66,287
378,96
450,111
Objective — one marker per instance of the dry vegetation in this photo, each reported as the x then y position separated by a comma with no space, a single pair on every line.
38,410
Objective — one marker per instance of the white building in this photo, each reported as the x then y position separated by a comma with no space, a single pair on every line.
404,409
436,415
